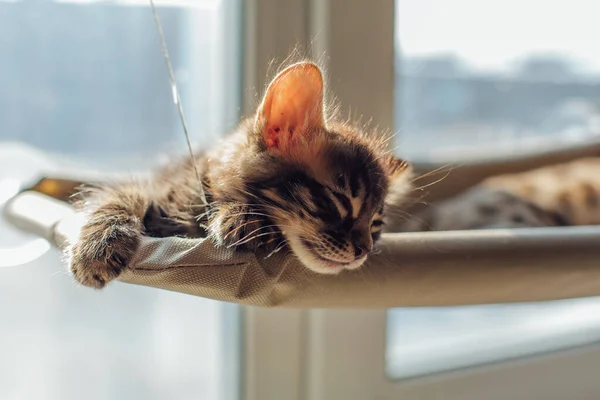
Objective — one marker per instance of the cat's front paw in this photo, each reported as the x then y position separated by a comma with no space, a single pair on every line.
103,250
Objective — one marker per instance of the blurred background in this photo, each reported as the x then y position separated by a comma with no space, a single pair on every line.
504,76
83,87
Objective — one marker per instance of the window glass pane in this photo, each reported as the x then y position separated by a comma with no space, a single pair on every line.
492,78
84,84
495,77
428,340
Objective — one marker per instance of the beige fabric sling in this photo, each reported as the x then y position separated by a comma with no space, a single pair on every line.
416,269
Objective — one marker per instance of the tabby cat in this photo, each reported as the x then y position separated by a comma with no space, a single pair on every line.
566,194
291,177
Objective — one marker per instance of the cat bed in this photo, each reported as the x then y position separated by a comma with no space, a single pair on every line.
411,269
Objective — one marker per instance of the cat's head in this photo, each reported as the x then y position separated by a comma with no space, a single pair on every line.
322,182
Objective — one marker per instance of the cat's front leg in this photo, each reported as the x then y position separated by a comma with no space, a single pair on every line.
243,227
110,235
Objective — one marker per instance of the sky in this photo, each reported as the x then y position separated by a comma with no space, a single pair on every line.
493,35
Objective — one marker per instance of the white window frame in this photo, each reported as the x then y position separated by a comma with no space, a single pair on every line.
347,361
340,354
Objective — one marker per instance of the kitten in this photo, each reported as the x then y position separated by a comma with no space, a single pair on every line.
560,195
288,176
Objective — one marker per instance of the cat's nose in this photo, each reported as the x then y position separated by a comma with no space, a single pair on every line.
360,252
362,245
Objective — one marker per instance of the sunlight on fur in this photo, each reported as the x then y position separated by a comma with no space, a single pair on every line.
291,178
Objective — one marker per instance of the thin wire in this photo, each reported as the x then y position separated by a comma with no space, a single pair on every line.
176,98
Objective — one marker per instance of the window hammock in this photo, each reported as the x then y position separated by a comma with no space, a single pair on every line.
412,269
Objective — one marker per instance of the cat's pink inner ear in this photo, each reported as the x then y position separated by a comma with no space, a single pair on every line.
292,105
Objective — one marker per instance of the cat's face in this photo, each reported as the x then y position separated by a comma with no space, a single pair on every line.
334,216
322,183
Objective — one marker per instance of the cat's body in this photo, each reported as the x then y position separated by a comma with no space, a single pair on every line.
291,178
559,195
288,176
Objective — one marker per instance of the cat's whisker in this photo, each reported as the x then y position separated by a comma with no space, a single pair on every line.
205,214
278,248
237,229
249,237
433,172
269,241
249,213
433,183
238,243
397,211
405,216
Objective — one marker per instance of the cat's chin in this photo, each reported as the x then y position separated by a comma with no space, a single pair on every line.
316,263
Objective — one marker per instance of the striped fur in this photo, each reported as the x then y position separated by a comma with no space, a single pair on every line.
290,178
559,195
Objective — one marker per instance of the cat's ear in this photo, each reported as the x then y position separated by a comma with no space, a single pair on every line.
293,105
395,168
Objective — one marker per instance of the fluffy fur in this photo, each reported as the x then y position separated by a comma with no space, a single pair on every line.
560,195
288,177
